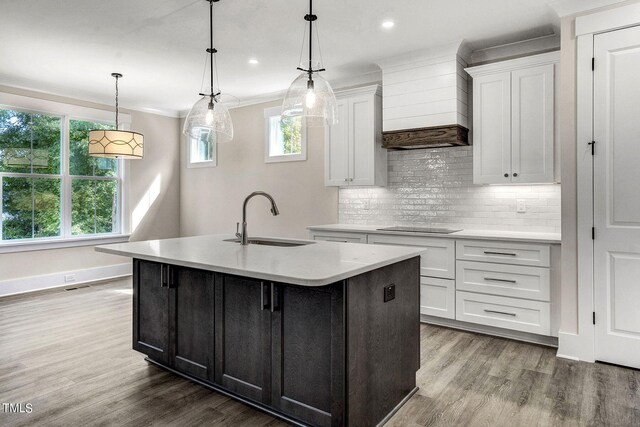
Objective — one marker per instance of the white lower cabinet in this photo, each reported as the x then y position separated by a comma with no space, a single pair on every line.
532,254
505,285
438,297
503,312
501,284
506,280
438,259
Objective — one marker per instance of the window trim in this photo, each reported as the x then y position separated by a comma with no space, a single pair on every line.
206,164
68,112
268,114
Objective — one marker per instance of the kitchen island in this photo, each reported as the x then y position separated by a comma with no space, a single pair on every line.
317,333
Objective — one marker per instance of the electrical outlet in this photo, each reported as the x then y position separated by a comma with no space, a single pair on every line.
521,205
389,293
69,278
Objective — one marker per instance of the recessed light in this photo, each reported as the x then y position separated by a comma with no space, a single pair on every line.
253,61
388,24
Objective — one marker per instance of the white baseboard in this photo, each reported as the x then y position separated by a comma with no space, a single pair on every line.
490,330
574,347
56,280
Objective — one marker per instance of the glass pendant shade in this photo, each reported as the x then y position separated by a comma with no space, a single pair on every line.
211,118
313,100
116,144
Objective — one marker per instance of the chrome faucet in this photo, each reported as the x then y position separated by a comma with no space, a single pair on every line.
244,237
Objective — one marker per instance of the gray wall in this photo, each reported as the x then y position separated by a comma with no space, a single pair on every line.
211,198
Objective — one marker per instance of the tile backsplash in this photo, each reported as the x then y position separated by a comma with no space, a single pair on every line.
435,187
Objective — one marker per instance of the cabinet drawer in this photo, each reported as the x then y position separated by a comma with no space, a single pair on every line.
438,258
504,252
437,297
333,236
504,312
501,279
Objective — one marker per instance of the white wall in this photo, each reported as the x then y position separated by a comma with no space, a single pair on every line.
211,198
158,218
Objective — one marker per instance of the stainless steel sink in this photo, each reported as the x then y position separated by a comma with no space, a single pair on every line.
273,242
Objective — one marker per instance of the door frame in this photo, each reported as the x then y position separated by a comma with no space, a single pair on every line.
581,345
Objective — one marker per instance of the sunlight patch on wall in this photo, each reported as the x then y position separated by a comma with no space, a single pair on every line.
146,202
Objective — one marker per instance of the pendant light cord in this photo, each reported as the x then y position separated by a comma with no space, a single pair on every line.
211,44
310,38
117,76
310,18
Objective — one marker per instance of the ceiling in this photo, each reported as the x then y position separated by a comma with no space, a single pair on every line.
71,47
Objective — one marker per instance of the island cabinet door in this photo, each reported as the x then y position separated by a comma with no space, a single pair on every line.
243,337
308,353
191,312
151,310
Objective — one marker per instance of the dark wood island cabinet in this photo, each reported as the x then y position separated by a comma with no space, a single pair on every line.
341,354
316,333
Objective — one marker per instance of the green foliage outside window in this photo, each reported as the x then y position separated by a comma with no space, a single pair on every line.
32,178
291,129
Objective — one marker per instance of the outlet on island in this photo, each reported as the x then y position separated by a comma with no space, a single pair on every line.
389,293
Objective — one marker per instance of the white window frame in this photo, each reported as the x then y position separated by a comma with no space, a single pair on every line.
69,112
207,163
274,112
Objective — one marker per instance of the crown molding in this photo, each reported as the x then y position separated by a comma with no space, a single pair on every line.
84,102
515,64
564,8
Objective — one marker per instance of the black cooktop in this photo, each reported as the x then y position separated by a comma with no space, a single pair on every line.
420,230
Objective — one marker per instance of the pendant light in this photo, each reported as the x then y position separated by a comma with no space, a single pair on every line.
310,96
209,119
115,143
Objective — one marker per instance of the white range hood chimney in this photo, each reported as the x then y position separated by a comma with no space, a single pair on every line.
424,98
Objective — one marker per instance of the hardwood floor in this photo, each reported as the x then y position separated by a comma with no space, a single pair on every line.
68,354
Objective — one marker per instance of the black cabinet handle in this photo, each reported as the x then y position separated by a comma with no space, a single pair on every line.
171,273
163,276
275,297
264,297
500,312
515,174
491,279
499,253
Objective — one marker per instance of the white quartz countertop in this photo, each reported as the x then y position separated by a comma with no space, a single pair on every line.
316,264
520,236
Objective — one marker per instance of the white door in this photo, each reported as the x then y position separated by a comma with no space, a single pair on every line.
532,124
492,129
617,196
337,148
362,141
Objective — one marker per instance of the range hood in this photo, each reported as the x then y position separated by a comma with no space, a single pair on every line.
425,98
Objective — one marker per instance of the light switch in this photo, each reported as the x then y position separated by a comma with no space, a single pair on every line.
521,205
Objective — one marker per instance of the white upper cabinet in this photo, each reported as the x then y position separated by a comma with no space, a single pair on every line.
353,147
514,120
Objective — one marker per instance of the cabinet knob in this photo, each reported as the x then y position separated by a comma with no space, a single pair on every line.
346,180
506,175
515,174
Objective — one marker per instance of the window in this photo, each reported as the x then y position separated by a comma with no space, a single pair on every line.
201,151
285,139
50,188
